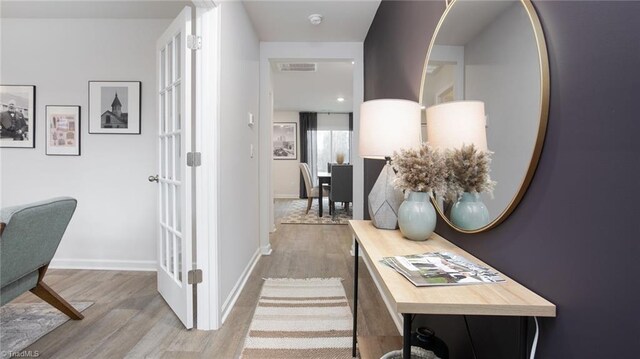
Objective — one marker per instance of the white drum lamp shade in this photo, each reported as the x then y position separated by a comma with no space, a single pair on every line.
386,126
454,124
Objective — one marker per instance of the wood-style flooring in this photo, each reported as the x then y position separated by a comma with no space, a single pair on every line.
131,320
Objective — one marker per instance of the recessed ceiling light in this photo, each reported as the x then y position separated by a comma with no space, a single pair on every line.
340,99
353,62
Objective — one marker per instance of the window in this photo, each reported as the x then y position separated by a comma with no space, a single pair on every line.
330,143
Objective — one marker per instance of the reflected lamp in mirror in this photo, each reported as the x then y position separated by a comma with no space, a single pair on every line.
453,124
386,125
452,128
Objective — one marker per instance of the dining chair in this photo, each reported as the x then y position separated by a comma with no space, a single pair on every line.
312,192
341,186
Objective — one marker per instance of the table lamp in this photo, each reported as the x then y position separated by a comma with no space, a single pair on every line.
387,125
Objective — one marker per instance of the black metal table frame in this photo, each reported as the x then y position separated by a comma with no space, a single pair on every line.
321,180
408,318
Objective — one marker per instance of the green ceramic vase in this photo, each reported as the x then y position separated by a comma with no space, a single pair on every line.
417,217
469,213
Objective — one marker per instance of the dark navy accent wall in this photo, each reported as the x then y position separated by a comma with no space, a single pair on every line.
575,237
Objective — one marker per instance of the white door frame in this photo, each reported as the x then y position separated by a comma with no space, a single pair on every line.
305,50
206,127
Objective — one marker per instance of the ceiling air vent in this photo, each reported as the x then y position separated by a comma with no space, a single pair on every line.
297,67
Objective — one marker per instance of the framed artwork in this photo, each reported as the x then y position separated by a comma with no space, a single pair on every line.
114,107
63,130
284,139
17,116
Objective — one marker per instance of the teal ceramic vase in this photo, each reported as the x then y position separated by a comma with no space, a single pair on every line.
469,213
417,217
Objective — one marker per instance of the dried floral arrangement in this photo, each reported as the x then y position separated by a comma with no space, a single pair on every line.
468,171
420,170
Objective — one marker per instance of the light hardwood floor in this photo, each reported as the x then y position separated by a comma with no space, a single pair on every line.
130,319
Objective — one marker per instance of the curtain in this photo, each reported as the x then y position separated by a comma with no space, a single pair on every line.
308,147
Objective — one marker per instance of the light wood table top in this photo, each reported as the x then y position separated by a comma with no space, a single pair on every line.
507,298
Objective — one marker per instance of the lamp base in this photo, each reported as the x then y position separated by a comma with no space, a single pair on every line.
384,200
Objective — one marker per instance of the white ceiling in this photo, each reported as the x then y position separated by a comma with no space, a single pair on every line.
313,91
92,9
288,20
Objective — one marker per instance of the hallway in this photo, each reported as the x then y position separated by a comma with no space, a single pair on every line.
130,319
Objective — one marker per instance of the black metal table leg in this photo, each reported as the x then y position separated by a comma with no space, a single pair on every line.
522,343
406,336
320,200
355,297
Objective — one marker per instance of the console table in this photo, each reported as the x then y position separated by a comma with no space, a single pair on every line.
507,298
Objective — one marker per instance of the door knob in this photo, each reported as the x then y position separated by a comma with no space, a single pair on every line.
153,178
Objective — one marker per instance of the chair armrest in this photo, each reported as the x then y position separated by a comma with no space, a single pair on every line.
6,213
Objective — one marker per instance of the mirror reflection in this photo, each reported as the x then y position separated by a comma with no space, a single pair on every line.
486,53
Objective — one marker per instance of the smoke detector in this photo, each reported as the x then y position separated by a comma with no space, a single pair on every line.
315,19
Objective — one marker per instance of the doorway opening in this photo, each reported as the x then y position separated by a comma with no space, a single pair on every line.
310,95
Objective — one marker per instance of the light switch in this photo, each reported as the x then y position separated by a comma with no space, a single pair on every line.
250,119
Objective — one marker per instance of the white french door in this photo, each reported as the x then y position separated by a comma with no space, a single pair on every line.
174,178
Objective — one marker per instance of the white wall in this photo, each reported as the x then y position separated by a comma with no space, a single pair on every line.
286,173
238,183
115,223
501,69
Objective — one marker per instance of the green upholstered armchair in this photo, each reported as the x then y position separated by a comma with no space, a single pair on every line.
29,237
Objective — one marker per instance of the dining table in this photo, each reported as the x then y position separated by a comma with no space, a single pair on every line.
323,178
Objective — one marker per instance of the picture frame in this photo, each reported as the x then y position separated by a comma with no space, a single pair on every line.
285,141
115,107
17,116
63,130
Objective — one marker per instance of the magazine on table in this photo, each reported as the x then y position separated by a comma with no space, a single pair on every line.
441,268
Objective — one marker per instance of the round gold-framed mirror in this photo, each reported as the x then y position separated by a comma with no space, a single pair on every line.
493,53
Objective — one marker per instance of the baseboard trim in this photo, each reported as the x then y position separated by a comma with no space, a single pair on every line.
286,196
397,318
228,304
266,250
103,264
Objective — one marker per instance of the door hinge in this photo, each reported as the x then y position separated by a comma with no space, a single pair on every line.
194,42
194,276
194,159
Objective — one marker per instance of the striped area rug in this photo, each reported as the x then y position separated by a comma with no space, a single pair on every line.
300,318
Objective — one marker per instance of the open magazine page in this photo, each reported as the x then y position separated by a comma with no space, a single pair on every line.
440,268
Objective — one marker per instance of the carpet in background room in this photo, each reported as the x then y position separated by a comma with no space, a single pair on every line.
296,213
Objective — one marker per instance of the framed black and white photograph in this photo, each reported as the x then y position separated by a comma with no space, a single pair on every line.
17,116
63,130
284,141
114,107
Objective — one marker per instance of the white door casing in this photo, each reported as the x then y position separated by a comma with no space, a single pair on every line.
174,179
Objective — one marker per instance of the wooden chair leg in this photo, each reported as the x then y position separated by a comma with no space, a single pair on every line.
44,292
309,204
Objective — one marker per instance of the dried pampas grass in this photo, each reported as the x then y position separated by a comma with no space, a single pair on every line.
420,170
468,171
